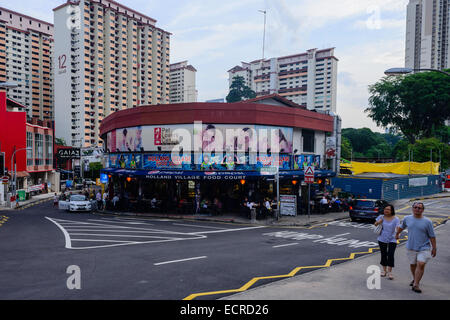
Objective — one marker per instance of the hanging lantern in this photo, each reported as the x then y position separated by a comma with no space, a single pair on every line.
128,179
242,181
294,182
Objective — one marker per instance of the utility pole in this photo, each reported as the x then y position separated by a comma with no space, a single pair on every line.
264,34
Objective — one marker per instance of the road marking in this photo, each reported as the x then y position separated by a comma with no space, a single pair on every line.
285,245
68,227
119,221
191,225
79,231
66,234
226,230
181,260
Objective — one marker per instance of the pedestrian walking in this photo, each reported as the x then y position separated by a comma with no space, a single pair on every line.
55,200
105,198
421,244
387,240
99,200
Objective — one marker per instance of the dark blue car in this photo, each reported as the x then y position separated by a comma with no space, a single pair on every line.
366,209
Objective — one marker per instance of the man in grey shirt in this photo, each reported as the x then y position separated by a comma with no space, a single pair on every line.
421,245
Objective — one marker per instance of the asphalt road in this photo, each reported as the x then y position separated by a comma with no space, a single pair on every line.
160,259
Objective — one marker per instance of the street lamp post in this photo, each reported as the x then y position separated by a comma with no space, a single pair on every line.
402,71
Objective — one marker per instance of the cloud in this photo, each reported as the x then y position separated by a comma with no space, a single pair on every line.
380,24
216,40
362,65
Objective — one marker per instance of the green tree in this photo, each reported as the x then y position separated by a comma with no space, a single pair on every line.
424,150
414,104
60,141
346,148
239,91
361,139
94,169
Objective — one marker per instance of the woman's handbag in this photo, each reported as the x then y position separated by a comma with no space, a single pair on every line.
378,229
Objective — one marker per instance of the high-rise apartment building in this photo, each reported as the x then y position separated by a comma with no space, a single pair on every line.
182,83
308,79
108,57
26,46
427,34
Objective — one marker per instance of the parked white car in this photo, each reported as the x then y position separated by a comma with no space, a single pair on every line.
77,202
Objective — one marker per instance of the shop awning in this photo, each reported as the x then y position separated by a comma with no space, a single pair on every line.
210,175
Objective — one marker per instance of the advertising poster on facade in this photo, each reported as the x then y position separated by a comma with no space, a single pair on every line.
150,138
303,161
125,161
167,161
265,134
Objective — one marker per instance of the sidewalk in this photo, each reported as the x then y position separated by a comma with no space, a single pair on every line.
33,201
348,280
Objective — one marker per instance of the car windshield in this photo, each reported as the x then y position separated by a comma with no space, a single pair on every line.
78,198
365,204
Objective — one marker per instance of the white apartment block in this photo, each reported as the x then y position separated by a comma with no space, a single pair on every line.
427,34
308,79
108,57
26,46
182,83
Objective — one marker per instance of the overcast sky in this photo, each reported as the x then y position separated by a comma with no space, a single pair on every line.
216,35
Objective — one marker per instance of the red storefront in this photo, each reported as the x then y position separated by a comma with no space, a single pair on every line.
33,167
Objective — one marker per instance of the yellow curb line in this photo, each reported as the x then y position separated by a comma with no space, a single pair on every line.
291,274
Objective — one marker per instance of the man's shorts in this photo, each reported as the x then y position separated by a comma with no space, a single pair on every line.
421,256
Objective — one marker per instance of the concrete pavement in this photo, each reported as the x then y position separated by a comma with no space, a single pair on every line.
348,280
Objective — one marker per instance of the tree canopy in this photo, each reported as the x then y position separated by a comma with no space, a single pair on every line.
416,105
364,143
239,90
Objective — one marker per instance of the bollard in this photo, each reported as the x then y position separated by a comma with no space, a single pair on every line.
253,215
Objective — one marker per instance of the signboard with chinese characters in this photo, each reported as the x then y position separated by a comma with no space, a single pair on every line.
288,205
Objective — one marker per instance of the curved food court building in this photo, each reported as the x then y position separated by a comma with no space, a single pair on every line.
183,154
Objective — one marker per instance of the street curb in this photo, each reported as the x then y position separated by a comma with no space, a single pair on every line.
222,220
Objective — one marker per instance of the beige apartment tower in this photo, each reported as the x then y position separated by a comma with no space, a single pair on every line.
308,79
26,47
182,83
108,57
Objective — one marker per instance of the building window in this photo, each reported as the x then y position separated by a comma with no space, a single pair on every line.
39,147
30,145
48,150
308,140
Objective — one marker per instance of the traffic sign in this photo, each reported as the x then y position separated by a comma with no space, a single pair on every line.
309,174
5,180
